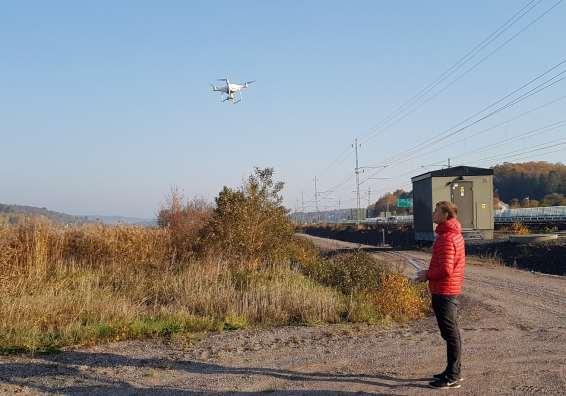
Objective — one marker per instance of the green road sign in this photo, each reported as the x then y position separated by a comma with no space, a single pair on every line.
404,202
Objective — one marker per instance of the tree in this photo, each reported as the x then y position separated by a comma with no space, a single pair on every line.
388,202
185,221
532,179
251,223
554,199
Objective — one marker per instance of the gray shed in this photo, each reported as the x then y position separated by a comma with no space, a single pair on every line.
469,188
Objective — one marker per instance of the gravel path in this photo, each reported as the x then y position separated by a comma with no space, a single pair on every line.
513,326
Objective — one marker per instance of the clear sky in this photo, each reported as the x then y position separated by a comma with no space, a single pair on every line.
105,105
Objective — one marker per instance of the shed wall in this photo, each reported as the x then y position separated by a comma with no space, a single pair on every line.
427,192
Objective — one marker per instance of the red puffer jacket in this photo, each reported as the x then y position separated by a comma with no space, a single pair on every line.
446,271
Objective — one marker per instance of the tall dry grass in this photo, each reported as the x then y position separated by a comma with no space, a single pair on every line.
76,285
231,266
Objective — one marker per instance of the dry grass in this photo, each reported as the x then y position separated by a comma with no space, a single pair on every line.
205,269
374,292
517,229
81,285
66,286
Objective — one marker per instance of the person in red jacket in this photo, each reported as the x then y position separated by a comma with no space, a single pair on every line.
445,276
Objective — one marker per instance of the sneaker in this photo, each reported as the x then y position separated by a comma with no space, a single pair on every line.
444,384
442,375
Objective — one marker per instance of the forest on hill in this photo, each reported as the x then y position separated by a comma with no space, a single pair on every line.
13,214
530,184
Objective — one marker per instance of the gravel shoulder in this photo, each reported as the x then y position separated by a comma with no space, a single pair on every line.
513,326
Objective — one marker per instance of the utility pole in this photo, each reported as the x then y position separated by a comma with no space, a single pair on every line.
369,196
315,197
357,172
449,162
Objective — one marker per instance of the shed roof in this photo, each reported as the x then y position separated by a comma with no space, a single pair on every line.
454,172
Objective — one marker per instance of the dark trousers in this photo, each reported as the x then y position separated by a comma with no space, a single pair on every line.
446,309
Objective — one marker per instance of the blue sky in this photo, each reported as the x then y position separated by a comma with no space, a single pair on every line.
106,105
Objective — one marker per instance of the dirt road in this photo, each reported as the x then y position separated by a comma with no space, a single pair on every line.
514,333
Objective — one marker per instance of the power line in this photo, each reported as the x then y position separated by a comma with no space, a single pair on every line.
481,46
338,185
524,135
453,131
450,71
451,143
454,68
544,153
513,153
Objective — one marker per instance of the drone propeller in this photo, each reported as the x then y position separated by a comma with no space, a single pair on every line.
249,82
222,79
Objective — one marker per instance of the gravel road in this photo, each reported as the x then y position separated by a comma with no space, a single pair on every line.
513,326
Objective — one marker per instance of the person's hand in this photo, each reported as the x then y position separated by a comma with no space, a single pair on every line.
421,276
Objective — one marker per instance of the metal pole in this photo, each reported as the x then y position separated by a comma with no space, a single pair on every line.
315,198
357,171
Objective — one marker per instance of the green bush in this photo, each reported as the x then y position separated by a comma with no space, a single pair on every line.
350,273
250,224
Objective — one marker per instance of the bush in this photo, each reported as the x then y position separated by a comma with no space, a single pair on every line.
400,299
372,292
350,273
185,222
251,224
519,229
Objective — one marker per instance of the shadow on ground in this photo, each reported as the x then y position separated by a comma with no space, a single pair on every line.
59,373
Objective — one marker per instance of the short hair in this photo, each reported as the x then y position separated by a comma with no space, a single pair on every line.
448,209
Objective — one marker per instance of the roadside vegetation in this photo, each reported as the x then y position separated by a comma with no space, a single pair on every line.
226,266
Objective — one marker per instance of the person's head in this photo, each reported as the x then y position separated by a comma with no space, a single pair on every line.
444,211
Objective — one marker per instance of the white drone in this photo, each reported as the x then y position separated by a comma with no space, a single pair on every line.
232,91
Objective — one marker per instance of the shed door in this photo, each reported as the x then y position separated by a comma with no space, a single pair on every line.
463,197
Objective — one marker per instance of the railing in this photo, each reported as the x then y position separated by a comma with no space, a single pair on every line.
532,215
523,215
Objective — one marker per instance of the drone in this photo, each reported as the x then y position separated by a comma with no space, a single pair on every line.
232,91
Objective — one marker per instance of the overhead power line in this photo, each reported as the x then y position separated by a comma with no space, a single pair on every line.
547,145
469,121
482,131
517,16
524,135
420,99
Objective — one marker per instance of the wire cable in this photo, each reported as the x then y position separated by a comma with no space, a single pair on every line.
497,49
453,130
379,128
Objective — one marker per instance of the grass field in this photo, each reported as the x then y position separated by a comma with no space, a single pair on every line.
206,268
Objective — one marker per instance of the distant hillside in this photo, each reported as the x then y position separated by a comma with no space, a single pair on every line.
12,213
15,213
530,183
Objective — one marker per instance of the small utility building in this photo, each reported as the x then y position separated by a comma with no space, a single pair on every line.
469,188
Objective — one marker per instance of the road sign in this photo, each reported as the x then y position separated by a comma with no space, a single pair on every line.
404,202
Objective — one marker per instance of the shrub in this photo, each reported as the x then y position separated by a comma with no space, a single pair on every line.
185,222
349,272
251,224
519,229
400,299
372,292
